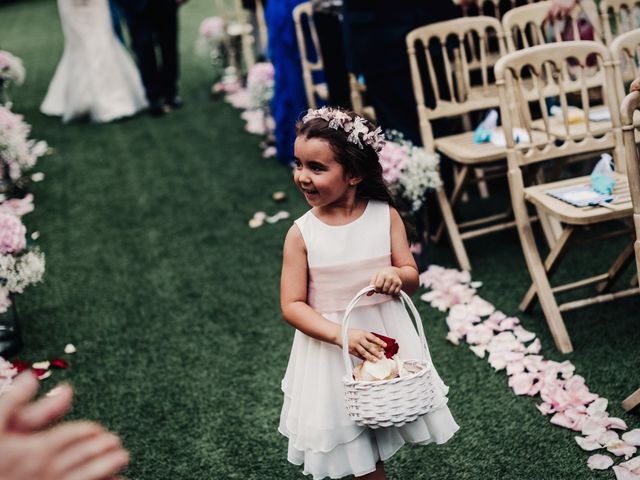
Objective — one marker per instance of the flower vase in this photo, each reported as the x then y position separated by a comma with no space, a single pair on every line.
10,334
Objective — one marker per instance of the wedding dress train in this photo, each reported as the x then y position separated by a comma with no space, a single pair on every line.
96,77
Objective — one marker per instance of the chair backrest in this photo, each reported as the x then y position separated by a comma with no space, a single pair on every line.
453,57
629,106
311,59
527,26
491,8
618,16
566,72
625,50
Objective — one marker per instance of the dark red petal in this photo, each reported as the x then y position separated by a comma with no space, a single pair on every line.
38,371
392,347
19,365
59,363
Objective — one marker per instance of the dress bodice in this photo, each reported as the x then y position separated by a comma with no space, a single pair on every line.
343,258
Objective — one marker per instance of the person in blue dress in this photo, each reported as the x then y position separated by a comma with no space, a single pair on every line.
289,99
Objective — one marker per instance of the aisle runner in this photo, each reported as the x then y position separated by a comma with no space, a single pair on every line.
508,346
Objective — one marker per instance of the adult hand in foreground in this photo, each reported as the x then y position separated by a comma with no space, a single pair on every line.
31,449
635,85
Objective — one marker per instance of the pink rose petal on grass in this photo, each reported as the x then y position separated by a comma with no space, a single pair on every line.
620,447
617,423
632,465
534,347
632,437
545,408
599,462
624,474
481,307
587,443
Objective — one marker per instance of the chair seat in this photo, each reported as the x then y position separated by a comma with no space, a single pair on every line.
462,149
619,207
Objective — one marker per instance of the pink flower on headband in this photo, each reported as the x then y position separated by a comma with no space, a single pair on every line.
359,133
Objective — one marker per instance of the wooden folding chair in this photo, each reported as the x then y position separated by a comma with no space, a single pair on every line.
549,69
625,49
311,60
630,105
527,26
237,29
491,8
456,95
617,17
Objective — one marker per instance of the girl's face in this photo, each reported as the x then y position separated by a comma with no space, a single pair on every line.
318,174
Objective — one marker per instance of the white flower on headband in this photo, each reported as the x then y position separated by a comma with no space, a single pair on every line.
357,129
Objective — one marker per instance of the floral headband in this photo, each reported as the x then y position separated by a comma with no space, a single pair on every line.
357,129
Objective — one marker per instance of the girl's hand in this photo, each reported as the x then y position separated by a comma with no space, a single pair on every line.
365,345
387,281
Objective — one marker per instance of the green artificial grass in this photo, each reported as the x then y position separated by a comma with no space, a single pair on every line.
172,301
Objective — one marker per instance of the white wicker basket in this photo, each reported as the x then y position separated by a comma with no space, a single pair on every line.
394,402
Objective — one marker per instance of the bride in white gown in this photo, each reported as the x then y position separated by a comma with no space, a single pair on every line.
96,77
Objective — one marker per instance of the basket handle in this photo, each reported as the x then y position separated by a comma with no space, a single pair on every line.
407,303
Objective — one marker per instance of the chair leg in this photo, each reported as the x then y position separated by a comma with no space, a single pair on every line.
550,265
483,188
452,230
551,228
619,266
632,401
461,179
543,288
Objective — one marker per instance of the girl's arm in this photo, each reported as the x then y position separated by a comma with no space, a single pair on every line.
403,274
297,312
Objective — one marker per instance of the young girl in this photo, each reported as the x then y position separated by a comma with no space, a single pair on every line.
350,238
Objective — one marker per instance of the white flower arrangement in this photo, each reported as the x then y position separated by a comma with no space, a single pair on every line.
409,170
11,72
211,34
18,272
18,153
11,68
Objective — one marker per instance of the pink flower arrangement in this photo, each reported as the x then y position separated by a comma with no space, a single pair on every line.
11,68
13,234
260,83
17,151
393,158
212,28
261,73
18,206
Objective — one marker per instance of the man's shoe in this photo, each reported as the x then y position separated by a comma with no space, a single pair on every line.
157,109
174,102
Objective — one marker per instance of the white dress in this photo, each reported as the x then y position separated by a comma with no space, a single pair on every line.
96,77
341,261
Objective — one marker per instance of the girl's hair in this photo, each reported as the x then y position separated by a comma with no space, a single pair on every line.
360,162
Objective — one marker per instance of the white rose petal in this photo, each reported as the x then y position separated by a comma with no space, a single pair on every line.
42,365
632,437
69,348
599,462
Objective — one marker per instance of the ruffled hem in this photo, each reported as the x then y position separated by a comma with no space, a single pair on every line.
360,455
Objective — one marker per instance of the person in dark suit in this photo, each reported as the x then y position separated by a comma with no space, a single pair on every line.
154,24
